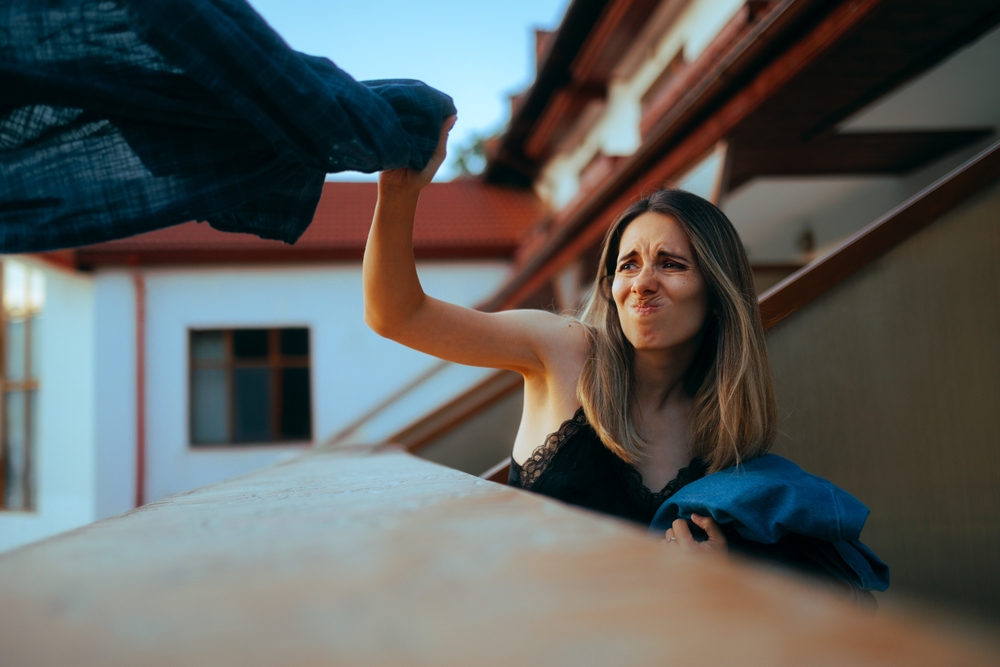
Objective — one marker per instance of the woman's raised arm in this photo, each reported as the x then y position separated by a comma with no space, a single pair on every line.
397,308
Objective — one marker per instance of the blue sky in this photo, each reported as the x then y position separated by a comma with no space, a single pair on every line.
477,52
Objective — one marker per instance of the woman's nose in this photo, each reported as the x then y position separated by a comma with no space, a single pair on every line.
645,281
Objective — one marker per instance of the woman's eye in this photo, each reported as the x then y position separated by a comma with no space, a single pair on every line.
626,266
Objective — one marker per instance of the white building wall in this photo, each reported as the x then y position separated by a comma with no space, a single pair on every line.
115,403
65,448
353,369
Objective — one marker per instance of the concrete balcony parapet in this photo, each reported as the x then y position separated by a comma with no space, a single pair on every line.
374,557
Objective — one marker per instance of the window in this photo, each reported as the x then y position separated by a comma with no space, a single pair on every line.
250,386
23,297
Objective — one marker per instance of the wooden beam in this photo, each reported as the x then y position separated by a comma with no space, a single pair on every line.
850,153
467,405
867,245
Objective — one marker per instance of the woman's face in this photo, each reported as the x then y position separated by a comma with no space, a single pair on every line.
660,293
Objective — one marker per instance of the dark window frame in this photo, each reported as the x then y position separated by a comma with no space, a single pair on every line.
275,361
26,385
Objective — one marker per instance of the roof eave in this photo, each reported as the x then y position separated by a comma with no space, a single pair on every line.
509,165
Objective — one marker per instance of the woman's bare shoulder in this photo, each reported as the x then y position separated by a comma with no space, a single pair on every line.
563,342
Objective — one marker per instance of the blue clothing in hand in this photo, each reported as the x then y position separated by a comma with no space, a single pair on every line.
769,497
122,117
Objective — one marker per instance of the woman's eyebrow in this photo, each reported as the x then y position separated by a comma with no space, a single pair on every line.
627,255
672,255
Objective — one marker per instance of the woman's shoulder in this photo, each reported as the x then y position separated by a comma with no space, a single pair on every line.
562,341
570,333
564,324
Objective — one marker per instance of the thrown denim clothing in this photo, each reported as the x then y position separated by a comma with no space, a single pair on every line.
124,116
770,497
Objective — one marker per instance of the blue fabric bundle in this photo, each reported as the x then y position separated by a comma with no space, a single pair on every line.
769,497
123,116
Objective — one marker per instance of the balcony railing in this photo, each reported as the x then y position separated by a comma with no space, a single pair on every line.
374,557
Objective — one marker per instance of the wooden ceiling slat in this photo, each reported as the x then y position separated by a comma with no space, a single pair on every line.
855,153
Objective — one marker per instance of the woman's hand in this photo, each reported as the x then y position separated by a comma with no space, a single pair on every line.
412,180
531,342
679,536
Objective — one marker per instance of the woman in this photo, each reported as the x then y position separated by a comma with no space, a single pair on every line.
650,389
663,380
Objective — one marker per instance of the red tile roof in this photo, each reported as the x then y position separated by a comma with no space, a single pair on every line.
460,219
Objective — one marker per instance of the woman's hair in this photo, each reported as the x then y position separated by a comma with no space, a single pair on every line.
734,412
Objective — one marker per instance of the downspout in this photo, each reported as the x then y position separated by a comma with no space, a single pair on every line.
140,388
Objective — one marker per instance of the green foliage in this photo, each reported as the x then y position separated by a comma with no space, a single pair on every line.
470,159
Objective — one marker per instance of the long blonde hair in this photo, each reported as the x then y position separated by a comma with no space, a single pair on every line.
734,415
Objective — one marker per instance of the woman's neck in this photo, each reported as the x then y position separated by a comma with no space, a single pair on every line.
664,413
660,374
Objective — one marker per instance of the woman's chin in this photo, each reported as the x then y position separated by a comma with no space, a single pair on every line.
649,343
657,342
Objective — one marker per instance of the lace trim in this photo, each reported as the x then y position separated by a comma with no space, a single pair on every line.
633,480
539,460
532,469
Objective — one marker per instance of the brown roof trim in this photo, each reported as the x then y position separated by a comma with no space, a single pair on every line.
63,259
679,138
87,259
823,274
776,266
467,405
459,219
351,428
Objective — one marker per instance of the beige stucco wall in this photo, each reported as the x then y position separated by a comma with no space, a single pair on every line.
889,385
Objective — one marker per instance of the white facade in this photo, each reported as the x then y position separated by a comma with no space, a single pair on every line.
65,452
87,441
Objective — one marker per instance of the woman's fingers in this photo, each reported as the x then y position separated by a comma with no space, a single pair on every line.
679,534
716,538
447,124
409,179
441,151
442,145
683,534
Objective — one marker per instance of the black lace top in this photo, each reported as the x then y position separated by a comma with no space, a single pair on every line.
574,466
